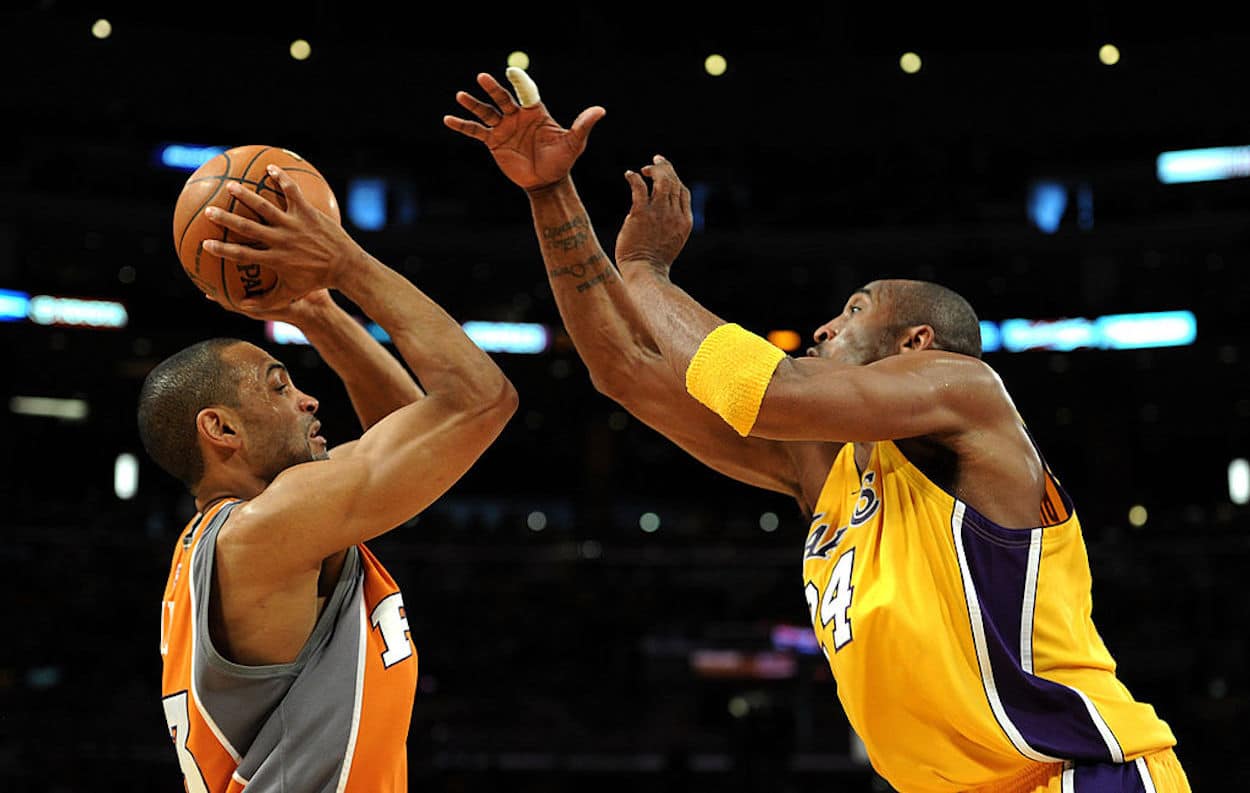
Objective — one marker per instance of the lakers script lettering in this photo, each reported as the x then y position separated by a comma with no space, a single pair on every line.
820,543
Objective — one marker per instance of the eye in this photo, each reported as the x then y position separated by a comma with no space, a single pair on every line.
855,309
282,387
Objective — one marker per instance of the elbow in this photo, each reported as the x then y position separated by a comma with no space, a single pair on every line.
619,380
610,384
499,404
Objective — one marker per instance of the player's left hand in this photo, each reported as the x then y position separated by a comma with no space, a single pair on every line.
528,145
660,220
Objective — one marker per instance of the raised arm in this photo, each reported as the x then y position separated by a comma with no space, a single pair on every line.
376,382
615,343
927,393
404,461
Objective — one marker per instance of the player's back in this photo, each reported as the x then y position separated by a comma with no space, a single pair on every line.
964,652
334,719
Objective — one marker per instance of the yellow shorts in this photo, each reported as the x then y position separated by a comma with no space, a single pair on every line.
1157,772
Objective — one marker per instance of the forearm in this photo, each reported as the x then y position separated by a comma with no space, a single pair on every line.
377,383
600,317
677,321
433,344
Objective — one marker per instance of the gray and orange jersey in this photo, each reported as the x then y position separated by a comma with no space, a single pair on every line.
334,720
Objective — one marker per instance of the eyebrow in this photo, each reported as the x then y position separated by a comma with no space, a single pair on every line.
862,291
275,365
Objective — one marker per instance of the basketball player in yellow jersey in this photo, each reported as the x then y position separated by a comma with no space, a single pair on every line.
944,568
288,663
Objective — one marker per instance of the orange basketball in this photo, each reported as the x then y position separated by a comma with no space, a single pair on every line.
226,281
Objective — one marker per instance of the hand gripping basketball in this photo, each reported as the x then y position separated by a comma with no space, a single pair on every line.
307,249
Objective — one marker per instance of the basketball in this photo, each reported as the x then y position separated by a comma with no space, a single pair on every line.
225,281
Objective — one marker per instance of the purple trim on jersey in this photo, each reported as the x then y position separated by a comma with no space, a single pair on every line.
1107,778
1051,717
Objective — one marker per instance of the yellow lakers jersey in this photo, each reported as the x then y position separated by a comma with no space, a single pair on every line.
334,719
964,652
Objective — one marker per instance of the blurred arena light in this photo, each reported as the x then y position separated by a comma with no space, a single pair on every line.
51,310
1111,332
1049,200
1203,165
800,639
366,203
125,476
102,28
1239,481
50,407
519,59
909,62
715,65
300,50
1137,516
649,522
524,338
14,305
186,156
1109,54
787,340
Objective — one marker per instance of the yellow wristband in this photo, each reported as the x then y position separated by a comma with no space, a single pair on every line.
730,373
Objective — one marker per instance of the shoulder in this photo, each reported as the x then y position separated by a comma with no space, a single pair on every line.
962,375
966,386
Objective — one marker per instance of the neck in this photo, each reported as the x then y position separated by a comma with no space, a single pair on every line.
215,488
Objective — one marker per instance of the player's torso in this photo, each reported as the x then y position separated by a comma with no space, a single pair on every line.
337,716
948,635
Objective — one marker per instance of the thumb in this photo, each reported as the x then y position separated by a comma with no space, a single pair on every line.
584,122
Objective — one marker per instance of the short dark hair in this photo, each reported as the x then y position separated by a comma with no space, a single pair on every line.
173,394
955,325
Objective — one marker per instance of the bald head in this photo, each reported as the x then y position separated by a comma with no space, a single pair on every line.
203,375
955,325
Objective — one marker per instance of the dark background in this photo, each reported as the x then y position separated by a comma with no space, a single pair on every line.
561,659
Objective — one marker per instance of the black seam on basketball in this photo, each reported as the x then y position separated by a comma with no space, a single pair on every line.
226,232
196,214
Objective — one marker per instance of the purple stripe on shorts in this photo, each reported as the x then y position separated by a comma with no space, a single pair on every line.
1051,717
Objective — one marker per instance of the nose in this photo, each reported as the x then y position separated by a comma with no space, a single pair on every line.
824,332
308,404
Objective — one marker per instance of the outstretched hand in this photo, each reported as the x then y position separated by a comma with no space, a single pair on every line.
659,221
528,145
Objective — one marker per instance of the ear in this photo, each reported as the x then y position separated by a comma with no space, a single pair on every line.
219,427
916,338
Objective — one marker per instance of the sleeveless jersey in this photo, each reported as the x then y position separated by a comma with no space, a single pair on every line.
334,720
964,652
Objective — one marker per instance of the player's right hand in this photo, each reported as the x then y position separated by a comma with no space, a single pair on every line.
528,145
308,249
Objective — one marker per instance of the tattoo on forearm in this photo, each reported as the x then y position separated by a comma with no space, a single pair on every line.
598,279
567,236
577,269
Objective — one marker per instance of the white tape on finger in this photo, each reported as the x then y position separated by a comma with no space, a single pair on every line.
526,90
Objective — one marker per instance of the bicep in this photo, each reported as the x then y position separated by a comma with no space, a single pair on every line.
897,397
